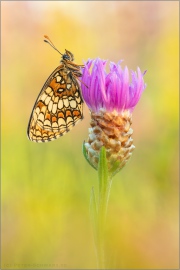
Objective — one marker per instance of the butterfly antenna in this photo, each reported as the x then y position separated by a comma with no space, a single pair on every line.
47,40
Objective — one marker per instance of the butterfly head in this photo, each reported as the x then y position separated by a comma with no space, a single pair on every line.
68,56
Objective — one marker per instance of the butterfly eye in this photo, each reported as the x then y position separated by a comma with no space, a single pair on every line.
66,57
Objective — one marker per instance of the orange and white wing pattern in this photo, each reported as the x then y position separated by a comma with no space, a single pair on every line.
58,107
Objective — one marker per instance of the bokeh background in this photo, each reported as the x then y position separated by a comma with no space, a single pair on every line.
46,187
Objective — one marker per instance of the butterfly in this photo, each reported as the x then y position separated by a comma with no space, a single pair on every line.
59,105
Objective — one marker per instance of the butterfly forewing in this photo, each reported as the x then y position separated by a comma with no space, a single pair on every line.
58,107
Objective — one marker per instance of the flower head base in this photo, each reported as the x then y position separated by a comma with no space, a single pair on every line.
111,98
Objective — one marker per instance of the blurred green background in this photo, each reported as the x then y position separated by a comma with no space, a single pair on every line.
46,187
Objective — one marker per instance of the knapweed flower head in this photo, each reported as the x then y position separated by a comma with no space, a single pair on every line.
111,97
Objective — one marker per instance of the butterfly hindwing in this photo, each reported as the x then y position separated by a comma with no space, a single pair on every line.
58,107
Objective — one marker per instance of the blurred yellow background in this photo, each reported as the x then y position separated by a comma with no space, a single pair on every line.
46,187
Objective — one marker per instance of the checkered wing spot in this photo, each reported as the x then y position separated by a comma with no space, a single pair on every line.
58,107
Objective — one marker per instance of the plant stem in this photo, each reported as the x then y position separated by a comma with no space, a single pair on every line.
98,208
104,191
101,224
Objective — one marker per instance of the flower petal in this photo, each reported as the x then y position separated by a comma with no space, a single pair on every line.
112,91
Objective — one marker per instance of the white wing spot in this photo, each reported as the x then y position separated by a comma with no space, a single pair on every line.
60,104
58,78
54,125
61,122
50,105
66,102
37,110
43,109
57,74
68,86
41,117
77,94
73,104
43,97
47,100
51,94
56,99
35,116
54,108
47,123
48,90
38,133
68,120
60,90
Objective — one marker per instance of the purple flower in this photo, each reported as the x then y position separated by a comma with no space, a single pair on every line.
111,98
111,91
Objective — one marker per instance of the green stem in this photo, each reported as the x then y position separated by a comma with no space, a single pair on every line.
101,226
98,208
104,191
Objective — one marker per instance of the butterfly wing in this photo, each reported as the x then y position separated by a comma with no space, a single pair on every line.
58,107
